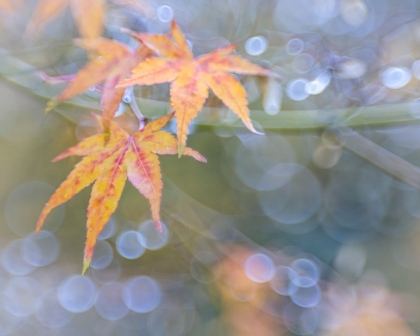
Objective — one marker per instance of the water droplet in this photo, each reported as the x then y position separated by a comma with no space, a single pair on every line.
165,13
109,302
281,282
9,323
12,260
52,314
396,78
354,12
77,328
294,46
259,268
302,63
350,261
129,246
142,294
256,45
22,296
300,321
319,84
108,230
205,267
151,238
262,162
296,89
328,153
40,249
295,202
367,208
350,68
307,296
170,321
307,273
77,294
102,255
135,322
272,97
109,274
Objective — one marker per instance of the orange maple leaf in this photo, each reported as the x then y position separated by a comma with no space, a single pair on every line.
113,61
88,15
191,77
133,156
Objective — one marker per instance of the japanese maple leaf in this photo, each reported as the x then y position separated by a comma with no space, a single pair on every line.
191,77
88,15
133,156
112,62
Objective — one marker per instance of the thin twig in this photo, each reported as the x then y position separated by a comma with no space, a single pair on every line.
134,107
380,157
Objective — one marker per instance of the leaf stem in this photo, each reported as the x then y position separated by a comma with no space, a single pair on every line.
136,110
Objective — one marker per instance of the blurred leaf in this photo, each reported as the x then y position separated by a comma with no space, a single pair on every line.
89,15
10,6
111,63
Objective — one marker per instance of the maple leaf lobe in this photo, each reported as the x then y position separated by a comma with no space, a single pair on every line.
192,77
111,62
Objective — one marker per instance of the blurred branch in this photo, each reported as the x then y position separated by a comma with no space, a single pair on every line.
24,75
380,157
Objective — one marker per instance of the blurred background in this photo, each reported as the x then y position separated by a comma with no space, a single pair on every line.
309,229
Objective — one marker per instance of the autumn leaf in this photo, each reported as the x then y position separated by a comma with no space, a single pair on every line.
124,156
192,77
111,63
88,15
10,6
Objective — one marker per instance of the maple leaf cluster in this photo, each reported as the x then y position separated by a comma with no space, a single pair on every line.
114,155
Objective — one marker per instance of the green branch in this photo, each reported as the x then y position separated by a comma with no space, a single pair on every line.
20,73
